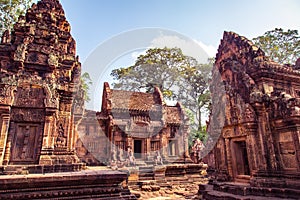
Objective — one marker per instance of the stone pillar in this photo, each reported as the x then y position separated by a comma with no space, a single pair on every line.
266,140
252,146
262,163
7,149
48,130
296,138
71,146
229,157
148,146
185,141
48,141
164,144
3,135
112,143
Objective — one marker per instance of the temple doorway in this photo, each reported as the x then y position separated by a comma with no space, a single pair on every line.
240,159
26,142
137,149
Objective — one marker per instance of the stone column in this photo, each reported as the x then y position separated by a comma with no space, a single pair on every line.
3,135
296,138
261,144
266,140
164,144
47,143
69,129
7,149
229,157
148,147
252,146
185,141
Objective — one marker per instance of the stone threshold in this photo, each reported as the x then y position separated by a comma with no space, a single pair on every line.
40,169
86,184
242,191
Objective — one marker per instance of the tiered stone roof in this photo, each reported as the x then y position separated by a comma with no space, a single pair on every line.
173,114
140,102
128,100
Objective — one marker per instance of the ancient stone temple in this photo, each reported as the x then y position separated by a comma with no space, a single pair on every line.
259,144
39,74
143,123
41,106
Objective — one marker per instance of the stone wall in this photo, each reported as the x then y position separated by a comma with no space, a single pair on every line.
92,143
88,184
173,181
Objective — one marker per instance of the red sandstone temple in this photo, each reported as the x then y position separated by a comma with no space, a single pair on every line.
256,119
40,78
143,122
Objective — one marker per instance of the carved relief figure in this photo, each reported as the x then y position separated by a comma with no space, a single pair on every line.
197,150
61,139
158,159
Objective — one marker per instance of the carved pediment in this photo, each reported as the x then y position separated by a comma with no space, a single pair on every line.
29,97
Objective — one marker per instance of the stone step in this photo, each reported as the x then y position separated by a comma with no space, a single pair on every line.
226,196
146,168
145,178
140,163
245,192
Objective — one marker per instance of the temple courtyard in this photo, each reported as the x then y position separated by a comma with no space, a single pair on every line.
136,146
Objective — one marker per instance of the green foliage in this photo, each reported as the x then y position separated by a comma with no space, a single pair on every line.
281,46
194,92
86,82
194,134
10,10
157,68
195,131
180,78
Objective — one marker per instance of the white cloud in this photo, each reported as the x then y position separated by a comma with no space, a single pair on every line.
190,47
136,54
209,49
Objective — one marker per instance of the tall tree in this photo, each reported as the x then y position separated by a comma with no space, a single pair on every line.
158,67
10,10
281,46
180,78
194,92
86,82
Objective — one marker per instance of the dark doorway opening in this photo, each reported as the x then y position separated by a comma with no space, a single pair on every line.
241,158
138,148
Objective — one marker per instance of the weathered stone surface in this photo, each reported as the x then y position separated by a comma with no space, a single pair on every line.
88,184
259,143
92,143
182,184
39,75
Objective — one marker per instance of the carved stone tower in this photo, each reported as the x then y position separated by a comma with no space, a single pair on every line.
39,74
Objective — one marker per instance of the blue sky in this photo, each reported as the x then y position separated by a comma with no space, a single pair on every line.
94,22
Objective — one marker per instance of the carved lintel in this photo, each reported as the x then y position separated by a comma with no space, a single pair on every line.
27,115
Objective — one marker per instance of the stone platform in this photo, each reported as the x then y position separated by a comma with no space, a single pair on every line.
172,181
86,184
244,191
40,169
